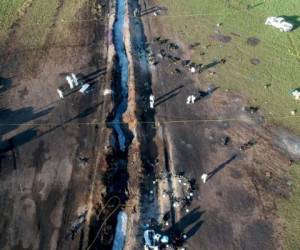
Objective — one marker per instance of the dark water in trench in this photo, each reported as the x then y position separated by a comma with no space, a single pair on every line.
122,71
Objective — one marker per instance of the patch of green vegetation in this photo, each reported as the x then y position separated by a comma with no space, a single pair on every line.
36,23
290,211
279,53
9,12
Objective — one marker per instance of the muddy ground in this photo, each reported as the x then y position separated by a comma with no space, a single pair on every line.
50,149
236,208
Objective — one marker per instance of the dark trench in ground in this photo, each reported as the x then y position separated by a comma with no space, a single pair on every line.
115,179
146,128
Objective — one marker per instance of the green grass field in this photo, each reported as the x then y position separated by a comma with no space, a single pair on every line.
36,18
290,211
278,52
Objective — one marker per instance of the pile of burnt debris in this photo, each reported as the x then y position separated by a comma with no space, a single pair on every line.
168,51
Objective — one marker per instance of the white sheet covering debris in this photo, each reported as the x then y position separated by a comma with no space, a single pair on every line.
121,228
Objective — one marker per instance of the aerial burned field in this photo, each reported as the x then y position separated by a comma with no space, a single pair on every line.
48,160
155,124
253,68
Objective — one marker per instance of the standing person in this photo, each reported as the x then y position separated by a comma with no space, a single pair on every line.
151,99
190,99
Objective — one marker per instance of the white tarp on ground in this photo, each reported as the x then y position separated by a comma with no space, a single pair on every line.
120,234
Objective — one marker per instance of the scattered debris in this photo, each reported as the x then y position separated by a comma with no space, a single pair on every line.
225,140
83,161
223,61
80,220
185,63
163,53
173,46
247,145
250,109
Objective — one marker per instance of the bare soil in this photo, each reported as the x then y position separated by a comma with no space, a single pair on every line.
239,201
45,186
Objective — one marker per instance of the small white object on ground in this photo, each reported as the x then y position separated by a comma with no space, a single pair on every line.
164,239
60,93
187,210
204,178
120,234
193,70
151,192
293,112
279,23
107,92
84,88
70,82
184,236
175,204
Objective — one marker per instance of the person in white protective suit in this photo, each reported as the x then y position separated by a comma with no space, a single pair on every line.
151,99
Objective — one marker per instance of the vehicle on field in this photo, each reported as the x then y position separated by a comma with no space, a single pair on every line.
279,23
